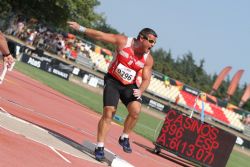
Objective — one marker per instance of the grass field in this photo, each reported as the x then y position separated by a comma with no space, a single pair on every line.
146,125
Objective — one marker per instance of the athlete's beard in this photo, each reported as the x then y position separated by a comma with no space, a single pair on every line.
139,53
140,49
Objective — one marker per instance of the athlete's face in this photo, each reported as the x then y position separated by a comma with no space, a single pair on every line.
147,42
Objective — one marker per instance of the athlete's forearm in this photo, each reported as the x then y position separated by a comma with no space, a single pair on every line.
3,45
146,76
144,85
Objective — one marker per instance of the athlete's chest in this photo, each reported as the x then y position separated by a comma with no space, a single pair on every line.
129,59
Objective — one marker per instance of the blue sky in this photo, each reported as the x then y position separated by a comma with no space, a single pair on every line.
216,31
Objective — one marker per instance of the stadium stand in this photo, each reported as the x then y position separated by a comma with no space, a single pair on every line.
234,119
99,61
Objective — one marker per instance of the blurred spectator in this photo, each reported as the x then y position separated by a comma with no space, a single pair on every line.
166,81
87,47
96,63
108,59
31,37
39,41
67,53
12,27
20,29
65,45
60,46
73,53
246,120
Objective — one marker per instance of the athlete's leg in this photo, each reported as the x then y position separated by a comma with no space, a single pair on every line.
134,109
133,106
102,130
110,100
105,122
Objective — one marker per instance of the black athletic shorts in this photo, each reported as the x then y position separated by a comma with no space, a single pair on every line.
115,90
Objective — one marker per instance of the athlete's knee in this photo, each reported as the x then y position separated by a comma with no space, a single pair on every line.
108,113
134,114
134,109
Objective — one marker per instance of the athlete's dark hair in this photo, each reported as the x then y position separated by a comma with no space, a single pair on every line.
145,31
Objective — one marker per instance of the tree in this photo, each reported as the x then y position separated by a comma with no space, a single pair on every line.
163,61
53,12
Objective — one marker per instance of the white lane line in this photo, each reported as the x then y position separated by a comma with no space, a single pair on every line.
65,159
37,141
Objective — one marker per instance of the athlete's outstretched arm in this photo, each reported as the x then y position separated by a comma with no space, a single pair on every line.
115,39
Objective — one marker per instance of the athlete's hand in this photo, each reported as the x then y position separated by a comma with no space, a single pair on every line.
73,25
9,60
137,93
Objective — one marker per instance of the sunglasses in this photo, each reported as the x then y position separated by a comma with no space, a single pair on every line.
148,39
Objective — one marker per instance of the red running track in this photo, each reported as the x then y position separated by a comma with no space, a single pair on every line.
30,100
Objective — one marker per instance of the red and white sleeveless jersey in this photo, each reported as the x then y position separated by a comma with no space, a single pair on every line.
125,65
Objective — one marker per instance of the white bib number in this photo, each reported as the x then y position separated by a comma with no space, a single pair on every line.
125,73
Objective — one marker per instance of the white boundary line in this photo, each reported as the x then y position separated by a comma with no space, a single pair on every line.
52,148
65,159
40,143
5,68
3,73
44,144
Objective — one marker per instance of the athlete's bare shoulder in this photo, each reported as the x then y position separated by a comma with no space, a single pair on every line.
121,41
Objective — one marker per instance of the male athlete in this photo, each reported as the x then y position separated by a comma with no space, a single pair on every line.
132,55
